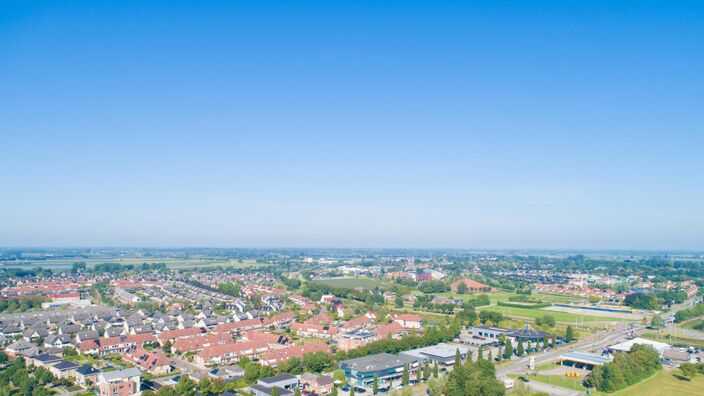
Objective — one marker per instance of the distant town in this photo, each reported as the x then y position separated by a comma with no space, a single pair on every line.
282,322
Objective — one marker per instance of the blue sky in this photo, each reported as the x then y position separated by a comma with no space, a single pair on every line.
557,124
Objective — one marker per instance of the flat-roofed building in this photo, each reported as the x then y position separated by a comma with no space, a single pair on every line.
443,354
626,346
387,367
489,332
583,359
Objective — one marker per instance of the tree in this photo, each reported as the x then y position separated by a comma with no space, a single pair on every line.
499,354
458,357
426,370
491,356
480,353
508,349
657,322
434,387
519,350
569,334
167,346
435,370
405,375
462,288
545,343
689,370
334,391
351,390
433,286
399,301
339,375
297,392
375,385
185,386
275,391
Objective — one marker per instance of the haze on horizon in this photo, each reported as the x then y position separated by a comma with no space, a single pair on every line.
403,124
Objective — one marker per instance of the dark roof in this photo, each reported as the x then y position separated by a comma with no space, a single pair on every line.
46,358
527,332
380,361
66,365
277,378
268,391
325,379
87,369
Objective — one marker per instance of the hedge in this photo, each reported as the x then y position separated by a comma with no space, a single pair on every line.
529,306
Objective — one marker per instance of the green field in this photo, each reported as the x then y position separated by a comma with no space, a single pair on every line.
672,338
664,383
503,296
695,325
536,313
351,283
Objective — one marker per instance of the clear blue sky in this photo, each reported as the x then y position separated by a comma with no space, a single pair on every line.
557,124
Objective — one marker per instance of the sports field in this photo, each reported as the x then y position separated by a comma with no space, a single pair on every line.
536,313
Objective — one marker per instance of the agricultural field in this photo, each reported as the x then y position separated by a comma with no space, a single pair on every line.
351,283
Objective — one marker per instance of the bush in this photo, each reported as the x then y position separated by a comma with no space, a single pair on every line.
545,320
433,286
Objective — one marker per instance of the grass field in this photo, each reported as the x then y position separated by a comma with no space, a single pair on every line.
664,383
536,313
574,383
695,325
672,338
351,283
502,296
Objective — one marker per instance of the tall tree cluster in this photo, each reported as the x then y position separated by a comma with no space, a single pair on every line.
474,379
626,369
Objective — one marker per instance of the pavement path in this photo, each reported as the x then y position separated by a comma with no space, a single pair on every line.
552,389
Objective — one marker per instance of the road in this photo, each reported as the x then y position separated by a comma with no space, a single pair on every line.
185,366
600,339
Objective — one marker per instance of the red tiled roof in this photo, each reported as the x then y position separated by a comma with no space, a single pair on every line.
276,356
239,349
393,328
179,333
312,328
